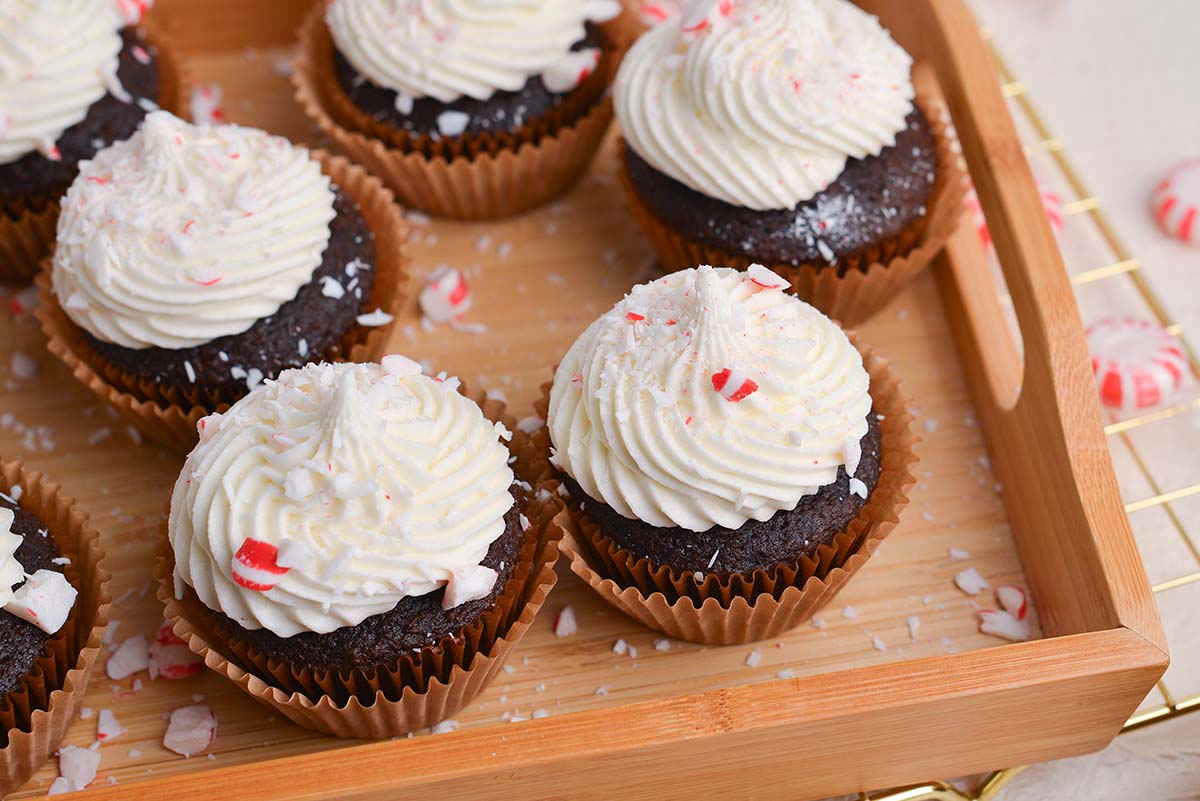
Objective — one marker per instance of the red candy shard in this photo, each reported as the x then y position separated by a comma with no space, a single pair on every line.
999,623
170,658
634,317
762,277
255,567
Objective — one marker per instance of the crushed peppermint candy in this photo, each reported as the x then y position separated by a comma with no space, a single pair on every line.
733,385
565,624
108,728
971,582
445,296
453,123
205,104
191,730
376,318
131,656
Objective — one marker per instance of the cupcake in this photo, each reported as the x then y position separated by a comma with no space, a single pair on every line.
53,608
75,76
726,449
468,110
354,531
194,262
785,132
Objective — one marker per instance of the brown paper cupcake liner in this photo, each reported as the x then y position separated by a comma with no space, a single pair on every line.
169,415
35,715
755,606
420,690
872,279
27,237
494,177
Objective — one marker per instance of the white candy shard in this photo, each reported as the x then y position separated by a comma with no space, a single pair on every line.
468,584
754,658
858,488
11,572
107,727
566,624
999,623
970,582
914,624
767,279
78,765
452,123
132,656
191,730
45,600
445,726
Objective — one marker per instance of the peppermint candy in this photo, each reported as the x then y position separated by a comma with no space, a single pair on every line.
733,385
205,105
766,279
568,72
1137,363
170,658
1177,202
255,565
1051,203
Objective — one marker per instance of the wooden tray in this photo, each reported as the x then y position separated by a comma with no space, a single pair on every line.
1014,470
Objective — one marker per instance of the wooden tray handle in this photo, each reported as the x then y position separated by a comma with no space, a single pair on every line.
1043,409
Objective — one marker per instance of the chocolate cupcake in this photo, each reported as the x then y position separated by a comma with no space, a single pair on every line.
352,529
80,76
194,262
719,438
463,89
53,608
785,133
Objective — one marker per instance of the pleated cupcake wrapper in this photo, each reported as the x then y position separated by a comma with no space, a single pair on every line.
422,689
761,604
169,415
871,280
35,715
27,237
484,177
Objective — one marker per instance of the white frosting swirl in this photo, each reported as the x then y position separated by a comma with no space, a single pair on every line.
12,572
446,49
637,420
377,483
759,103
57,58
183,234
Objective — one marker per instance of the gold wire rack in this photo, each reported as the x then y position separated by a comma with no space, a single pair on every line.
1122,264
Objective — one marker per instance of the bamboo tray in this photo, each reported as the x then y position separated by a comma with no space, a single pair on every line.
1014,470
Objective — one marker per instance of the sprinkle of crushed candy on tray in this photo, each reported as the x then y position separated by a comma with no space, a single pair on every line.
191,730
77,768
959,555
86,713
1013,599
851,613
620,647
601,690
970,581
878,644
509,669
754,658
540,713
170,658
818,623
1000,623
132,656
662,644
931,425
914,624
108,728
445,296
565,624
447,725
786,673
24,366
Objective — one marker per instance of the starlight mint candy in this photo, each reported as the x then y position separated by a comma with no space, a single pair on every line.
714,431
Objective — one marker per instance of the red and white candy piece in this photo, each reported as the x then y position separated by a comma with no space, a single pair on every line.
1177,202
45,600
1052,204
445,296
132,656
1137,363
571,70
205,105
255,565
132,11
24,301
766,279
170,657
566,625
468,584
970,581
108,728
733,385
191,730
1012,599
